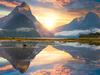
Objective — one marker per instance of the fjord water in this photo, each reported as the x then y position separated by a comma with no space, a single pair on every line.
86,58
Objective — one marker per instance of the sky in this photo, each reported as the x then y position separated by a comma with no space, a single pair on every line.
53,13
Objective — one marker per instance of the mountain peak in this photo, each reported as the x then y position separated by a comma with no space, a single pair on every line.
23,4
92,15
22,8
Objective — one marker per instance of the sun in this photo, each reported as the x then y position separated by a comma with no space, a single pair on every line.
48,20
49,23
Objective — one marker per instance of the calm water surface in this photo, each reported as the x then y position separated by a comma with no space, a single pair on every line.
87,58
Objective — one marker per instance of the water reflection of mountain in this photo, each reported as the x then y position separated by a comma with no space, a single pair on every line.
20,54
89,53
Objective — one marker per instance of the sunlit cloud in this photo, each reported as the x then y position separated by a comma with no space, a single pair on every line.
59,3
8,4
58,69
6,67
72,4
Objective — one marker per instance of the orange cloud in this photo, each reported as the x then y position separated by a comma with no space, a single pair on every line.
59,3
8,4
58,69
5,68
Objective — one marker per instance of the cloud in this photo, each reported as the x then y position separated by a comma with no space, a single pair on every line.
78,45
71,68
76,32
67,4
24,29
72,33
82,5
8,4
6,67
59,3
73,4
58,69
19,1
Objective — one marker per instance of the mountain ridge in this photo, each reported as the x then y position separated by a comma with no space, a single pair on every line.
89,21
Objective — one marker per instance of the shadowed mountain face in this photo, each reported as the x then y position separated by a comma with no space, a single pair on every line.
90,21
19,20
21,16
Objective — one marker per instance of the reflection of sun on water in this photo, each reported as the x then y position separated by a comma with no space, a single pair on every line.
51,55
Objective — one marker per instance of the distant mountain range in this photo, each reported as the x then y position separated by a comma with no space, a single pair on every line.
87,24
89,21
21,23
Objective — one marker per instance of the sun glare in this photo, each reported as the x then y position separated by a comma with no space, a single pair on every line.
49,24
49,21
